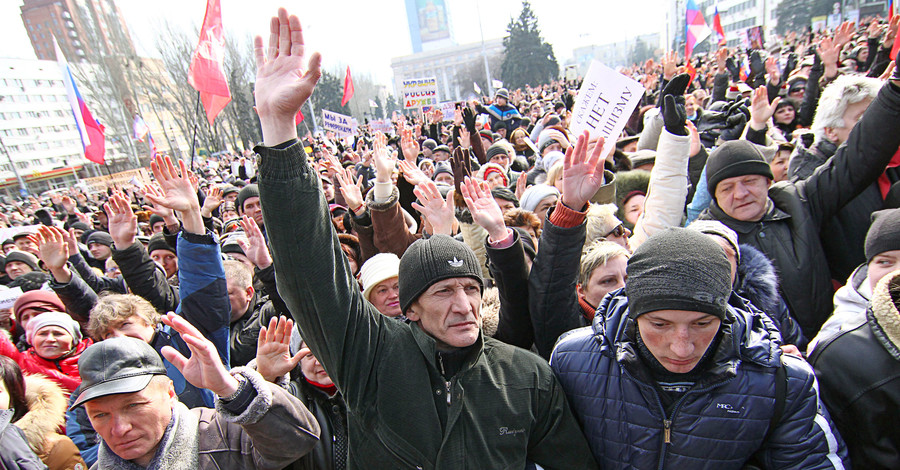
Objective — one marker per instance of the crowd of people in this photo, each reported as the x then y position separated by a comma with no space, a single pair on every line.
491,291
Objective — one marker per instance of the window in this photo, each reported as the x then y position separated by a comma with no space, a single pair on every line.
22,131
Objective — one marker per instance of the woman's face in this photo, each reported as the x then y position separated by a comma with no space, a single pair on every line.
779,166
785,115
634,208
4,396
51,342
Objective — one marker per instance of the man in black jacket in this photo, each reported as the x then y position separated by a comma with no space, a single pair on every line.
784,220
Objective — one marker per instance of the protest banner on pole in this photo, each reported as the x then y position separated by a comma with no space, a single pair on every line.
447,107
419,92
382,125
341,125
605,103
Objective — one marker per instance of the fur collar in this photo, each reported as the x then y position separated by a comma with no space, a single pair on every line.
756,279
46,411
885,314
178,450
490,311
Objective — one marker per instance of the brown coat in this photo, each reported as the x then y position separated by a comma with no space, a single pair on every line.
41,425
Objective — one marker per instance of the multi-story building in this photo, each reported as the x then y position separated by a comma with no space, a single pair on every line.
82,28
446,64
619,53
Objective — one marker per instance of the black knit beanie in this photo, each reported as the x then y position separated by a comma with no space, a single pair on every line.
506,194
154,218
158,242
99,237
496,149
678,269
251,190
734,158
23,257
431,260
884,233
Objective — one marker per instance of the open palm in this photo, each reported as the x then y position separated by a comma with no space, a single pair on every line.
582,174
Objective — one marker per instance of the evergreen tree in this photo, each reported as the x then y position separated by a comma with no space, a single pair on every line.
528,60
328,94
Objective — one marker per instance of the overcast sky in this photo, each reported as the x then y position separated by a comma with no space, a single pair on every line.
367,34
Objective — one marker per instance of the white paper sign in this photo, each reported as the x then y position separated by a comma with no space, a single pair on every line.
8,297
341,125
382,125
419,92
604,104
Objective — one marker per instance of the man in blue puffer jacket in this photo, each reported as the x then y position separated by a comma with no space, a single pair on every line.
671,376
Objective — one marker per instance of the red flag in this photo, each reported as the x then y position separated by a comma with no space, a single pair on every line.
299,117
348,88
207,72
690,70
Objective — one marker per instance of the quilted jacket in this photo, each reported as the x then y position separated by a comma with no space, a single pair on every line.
720,423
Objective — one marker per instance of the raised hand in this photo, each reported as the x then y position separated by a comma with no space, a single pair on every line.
721,58
254,247
439,212
273,349
167,214
204,368
351,191
282,84
844,33
772,70
464,137
122,221
760,108
52,247
695,139
669,61
674,116
412,174
178,193
521,184
582,175
409,145
212,202
829,53
69,205
891,34
384,165
461,163
484,209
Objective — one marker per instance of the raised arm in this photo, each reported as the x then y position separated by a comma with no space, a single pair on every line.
313,276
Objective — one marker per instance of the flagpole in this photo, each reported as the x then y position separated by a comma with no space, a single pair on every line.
194,132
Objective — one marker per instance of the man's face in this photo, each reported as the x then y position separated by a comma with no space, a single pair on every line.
604,279
99,251
240,298
132,327
385,296
450,312
544,206
839,135
678,339
167,260
78,233
133,424
26,245
230,197
441,156
501,159
312,368
882,264
555,146
504,205
158,227
15,269
253,209
444,178
11,247
744,197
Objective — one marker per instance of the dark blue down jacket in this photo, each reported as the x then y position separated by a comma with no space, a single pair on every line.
719,424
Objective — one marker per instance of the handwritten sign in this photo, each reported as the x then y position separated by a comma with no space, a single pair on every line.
382,125
344,126
419,92
8,297
604,104
447,107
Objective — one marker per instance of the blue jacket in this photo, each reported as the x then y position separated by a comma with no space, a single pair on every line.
204,303
719,424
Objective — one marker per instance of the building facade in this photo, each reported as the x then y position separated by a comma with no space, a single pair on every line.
616,54
447,65
82,28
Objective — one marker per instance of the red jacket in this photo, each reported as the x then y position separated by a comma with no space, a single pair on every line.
63,371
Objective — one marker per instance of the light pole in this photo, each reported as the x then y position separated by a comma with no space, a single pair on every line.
23,189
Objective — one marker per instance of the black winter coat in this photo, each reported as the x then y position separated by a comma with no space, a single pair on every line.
330,453
788,232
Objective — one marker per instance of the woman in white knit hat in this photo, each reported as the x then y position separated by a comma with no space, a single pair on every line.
378,277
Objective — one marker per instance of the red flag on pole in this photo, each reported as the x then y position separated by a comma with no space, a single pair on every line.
298,118
348,88
896,45
207,72
691,71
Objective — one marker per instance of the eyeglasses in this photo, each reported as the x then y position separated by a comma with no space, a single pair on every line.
617,232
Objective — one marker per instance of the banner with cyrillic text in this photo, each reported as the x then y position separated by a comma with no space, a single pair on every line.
344,126
419,92
604,104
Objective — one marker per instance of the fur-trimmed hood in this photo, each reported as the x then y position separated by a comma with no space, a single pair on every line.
884,311
757,280
490,311
46,411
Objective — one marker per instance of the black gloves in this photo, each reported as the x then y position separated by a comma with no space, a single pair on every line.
676,87
733,69
469,120
674,116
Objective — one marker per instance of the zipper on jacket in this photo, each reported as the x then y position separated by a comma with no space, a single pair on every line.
667,431
443,373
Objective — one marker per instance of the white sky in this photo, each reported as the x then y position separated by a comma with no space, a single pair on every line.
367,34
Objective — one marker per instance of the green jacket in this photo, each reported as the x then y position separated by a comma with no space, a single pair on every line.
505,404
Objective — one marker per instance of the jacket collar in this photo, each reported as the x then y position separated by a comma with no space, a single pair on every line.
178,449
428,347
772,214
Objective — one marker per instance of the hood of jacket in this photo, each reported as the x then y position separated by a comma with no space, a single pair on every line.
745,336
46,411
490,311
756,279
884,317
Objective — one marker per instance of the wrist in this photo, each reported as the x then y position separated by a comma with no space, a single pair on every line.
277,130
61,274
757,126
230,387
497,234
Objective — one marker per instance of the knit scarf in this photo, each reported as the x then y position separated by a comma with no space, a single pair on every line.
329,389
587,310
178,449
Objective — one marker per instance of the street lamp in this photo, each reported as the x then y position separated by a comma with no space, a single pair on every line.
23,189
